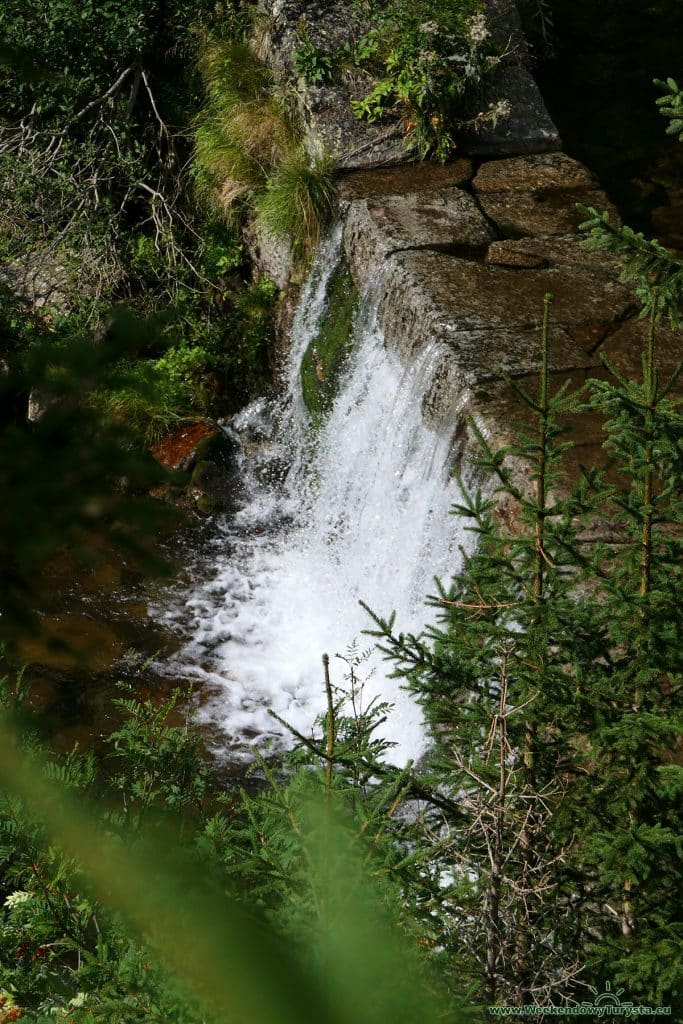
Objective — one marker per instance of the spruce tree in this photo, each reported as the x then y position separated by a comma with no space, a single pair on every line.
629,840
551,685
496,680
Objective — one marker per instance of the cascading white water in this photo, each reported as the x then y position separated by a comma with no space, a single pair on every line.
362,512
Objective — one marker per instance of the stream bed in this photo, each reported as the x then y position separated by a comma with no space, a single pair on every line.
357,509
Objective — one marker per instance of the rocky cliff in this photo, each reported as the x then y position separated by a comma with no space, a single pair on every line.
464,254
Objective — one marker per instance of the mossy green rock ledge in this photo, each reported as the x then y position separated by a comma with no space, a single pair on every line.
324,359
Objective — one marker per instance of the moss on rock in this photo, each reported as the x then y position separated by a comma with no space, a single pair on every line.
324,358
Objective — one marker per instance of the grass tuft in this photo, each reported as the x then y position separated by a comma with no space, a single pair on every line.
248,150
298,200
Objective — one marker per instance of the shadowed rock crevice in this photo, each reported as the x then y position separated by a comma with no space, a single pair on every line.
473,253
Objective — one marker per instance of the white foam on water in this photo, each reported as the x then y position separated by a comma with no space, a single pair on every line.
361,513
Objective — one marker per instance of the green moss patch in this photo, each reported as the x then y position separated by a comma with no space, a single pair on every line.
324,359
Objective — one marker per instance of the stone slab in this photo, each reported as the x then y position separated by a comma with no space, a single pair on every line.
397,181
537,194
475,296
592,276
502,414
533,173
442,219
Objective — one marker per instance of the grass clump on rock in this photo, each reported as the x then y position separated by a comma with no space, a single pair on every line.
248,149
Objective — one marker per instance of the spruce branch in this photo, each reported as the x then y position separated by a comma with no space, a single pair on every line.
657,273
671,106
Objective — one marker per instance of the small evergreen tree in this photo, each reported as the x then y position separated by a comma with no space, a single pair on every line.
496,681
551,685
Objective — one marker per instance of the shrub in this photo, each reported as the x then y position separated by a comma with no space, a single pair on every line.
428,59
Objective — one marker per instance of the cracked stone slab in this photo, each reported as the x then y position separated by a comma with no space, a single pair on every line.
471,360
443,219
502,413
474,295
486,323
537,194
554,250
589,272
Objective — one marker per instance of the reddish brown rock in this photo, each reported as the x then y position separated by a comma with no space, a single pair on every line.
177,450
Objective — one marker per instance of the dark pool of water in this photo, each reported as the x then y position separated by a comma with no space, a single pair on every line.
92,631
599,90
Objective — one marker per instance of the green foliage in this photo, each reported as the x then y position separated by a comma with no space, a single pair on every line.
671,106
86,46
248,149
630,841
106,920
657,273
146,400
97,153
62,475
20,325
495,677
313,64
298,200
428,58
65,951
551,684
99,137
243,131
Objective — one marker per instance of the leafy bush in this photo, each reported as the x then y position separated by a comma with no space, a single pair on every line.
427,57
146,399
148,906
671,106
314,65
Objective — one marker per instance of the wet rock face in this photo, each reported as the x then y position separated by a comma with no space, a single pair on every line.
469,271
271,254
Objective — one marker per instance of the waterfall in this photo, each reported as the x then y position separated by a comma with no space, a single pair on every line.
360,511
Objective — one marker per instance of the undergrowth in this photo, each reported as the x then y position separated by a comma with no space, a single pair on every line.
424,61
